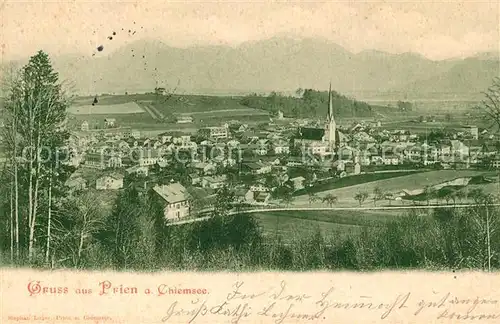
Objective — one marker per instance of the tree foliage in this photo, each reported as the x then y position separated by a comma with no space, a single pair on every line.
309,103
36,137
490,105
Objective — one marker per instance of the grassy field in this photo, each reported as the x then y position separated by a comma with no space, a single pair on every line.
409,182
97,120
100,109
332,224
195,103
352,181
112,99
128,111
429,106
225,113
416,127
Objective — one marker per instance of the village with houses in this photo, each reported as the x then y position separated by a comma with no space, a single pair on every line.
245,137
304,158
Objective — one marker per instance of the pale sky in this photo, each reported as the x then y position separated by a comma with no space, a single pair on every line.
437,30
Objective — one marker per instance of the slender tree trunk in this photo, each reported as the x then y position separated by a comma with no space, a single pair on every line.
80,246
488,238
15,206
16,203
11,223
34,195
30,189
33,215
49,216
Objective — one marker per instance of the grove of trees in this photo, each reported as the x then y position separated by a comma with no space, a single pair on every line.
308,103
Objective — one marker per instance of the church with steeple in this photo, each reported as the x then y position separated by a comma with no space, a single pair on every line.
320,140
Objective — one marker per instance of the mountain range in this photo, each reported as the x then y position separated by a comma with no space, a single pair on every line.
277,64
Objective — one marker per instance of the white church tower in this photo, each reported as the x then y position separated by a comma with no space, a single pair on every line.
331,126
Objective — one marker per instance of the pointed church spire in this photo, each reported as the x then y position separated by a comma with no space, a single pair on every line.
330,103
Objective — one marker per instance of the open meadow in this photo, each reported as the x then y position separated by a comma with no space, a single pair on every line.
415,181
333,225
111,109
136,111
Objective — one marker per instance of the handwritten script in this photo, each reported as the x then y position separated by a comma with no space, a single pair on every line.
279,304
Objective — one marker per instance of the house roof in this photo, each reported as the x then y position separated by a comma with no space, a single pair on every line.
114,175
254,165
172,193
216,179
135,168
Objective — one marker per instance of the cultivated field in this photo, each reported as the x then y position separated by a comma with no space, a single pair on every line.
97,120
354,180
100,109
416,127
409,182
129,110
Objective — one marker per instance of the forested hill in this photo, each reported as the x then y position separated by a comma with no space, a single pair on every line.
308,103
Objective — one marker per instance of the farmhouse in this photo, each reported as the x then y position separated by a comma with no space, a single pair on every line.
184,119
84,126
175,198
109,122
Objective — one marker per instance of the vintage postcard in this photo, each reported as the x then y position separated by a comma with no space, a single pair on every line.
249,162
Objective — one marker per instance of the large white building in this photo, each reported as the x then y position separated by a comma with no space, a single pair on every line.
215,133
175,197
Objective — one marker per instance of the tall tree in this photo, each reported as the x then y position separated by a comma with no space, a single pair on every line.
330,200
361,197
378,194
37,106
